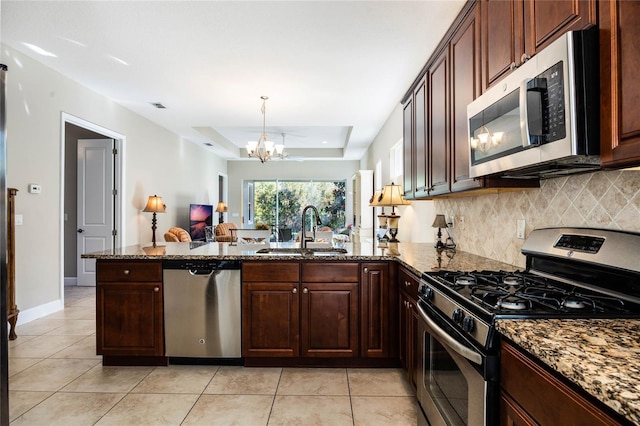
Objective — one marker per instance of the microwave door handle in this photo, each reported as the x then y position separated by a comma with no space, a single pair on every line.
462,350
524,114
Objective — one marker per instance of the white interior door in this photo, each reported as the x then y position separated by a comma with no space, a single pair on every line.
95,203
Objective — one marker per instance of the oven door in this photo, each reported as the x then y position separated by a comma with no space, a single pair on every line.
451,386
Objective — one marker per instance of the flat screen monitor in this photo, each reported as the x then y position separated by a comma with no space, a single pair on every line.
200,215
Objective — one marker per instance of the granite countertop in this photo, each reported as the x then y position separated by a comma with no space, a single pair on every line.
417,257
601,356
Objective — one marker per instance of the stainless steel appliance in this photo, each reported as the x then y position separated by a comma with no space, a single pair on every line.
202,308
543,118
570,273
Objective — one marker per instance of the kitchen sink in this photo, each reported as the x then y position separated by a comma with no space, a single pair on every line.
302,251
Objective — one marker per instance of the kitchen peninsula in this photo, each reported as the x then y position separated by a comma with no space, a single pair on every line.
378,343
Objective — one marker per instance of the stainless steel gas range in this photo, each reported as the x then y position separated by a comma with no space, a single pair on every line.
570,273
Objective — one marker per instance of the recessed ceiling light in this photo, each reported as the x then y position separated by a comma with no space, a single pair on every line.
324,142
158,105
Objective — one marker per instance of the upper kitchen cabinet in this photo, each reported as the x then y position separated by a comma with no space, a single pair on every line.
515,30
465,87
620,92
436,141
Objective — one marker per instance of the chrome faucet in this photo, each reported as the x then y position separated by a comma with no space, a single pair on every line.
304,239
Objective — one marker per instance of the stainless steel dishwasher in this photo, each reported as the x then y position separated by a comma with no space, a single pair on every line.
202,308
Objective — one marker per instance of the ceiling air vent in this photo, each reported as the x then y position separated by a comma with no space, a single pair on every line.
158,105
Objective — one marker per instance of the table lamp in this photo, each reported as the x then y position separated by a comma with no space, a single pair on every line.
391,196
221,208
154,205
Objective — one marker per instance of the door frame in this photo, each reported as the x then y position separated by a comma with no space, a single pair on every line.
119,163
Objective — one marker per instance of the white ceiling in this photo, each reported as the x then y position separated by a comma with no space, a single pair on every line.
333,70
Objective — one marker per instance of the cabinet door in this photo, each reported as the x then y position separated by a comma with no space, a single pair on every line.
438,111
270,319
408,147
502,38
620,92
129,319
465,87
420,140
546,20
408,329
329,320
378,313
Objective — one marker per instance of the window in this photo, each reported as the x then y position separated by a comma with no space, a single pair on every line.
278,204
396,167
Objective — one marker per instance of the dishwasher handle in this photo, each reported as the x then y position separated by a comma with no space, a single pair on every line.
201,271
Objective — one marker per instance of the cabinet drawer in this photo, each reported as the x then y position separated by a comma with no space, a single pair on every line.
409,282
271,271
330,272
128,271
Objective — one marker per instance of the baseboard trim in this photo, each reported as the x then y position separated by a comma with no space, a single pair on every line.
29,315
70,281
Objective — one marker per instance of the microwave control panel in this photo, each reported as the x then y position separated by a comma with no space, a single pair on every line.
545,106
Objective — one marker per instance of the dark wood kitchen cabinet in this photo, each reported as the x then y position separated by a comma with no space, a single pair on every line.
270,309
408,323
620,91
306,310
532,395
515,30
129,313
465,87
452,78
378,326
329,310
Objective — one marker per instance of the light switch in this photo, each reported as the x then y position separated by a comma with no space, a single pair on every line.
18,220
520,228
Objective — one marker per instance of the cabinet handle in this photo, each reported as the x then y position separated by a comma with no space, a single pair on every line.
513,66
294,291
127,272
524,58
366,270
156,289
305,290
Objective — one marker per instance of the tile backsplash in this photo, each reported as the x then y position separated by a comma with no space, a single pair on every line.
606,199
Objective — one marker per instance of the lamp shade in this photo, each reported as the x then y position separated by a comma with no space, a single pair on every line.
373,201
154,205
439,221
221,207
391,196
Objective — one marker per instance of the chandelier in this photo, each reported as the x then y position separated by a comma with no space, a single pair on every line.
485,139
263,149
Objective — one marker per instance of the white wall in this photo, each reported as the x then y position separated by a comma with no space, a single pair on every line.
416,219
240,171
157,161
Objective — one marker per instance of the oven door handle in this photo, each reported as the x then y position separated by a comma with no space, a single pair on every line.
462,350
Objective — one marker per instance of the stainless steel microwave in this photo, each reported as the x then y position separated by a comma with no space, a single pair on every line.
543,119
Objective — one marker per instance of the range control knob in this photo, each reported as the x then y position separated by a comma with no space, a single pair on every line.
427,292
457,316
468,324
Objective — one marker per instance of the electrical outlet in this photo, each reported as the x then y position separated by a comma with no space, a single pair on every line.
520,227
452,222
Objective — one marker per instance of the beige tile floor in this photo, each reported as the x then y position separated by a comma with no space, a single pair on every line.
56,378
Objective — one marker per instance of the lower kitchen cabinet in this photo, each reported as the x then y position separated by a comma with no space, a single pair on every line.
408,323
532,395
338,310
378,316
270,319
129,315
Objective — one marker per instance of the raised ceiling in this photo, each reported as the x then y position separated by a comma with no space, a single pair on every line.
333,70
